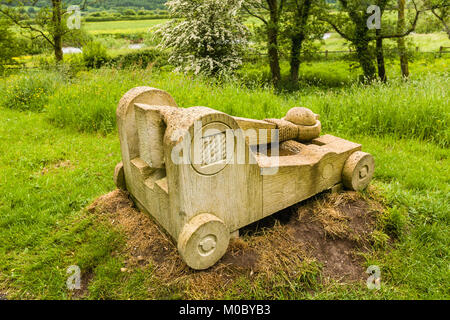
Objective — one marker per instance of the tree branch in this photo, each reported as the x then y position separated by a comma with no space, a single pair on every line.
25,26
254,14
413,27
442,20
336,28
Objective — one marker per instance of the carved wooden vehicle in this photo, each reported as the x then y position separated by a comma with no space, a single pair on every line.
203,203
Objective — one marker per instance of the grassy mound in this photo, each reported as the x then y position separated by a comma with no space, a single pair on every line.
293,252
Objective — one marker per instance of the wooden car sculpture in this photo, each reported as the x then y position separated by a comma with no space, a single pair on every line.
203,203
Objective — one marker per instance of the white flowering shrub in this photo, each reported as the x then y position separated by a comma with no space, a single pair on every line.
205,36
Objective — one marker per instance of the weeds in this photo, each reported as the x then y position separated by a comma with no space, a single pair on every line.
28,91
414,109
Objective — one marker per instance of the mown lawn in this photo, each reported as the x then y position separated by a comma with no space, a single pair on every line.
55,160
112,27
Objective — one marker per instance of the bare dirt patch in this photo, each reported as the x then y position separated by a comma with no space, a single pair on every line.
329,231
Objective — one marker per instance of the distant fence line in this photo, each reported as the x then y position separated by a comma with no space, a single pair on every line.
442,50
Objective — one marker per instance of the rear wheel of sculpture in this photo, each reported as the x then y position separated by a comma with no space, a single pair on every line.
203,241
119,176
358,171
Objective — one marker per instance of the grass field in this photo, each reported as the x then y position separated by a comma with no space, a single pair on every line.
425,42
59,147
113,27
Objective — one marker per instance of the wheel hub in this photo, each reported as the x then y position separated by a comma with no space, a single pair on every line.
207,245
363,172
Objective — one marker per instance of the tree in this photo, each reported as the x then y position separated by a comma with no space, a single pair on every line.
289,25
400,34
206,36
351,24
403,54
8,46
441,10
269,12
300,28
379,44
297,33
49,22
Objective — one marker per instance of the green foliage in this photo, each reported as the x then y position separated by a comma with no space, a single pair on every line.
428,23
141,59
29,92
122,28
88,105
142,15
205,37
376,109
129,12
112,41
9,47
77,38
395,221
414,109
117,4
95,55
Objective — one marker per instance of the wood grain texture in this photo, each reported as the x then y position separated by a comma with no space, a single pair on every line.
201,175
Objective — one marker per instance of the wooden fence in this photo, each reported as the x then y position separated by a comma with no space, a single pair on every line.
326,53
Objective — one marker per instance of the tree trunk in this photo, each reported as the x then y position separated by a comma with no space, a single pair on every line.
58,30
361,42
365,59
274,60
296,46
59,56
403,54
301,18
272,42
380,57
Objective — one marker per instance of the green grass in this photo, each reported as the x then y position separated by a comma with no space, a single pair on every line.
26,91
430,42
425,42
41,223
415,109
56,162
44,229
133,26
128,27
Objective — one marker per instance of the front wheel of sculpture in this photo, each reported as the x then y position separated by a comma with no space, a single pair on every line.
203,241
358,171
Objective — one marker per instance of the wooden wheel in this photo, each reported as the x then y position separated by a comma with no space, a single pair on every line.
203,241
119,176
358,171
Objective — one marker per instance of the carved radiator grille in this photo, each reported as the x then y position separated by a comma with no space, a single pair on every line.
214,149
